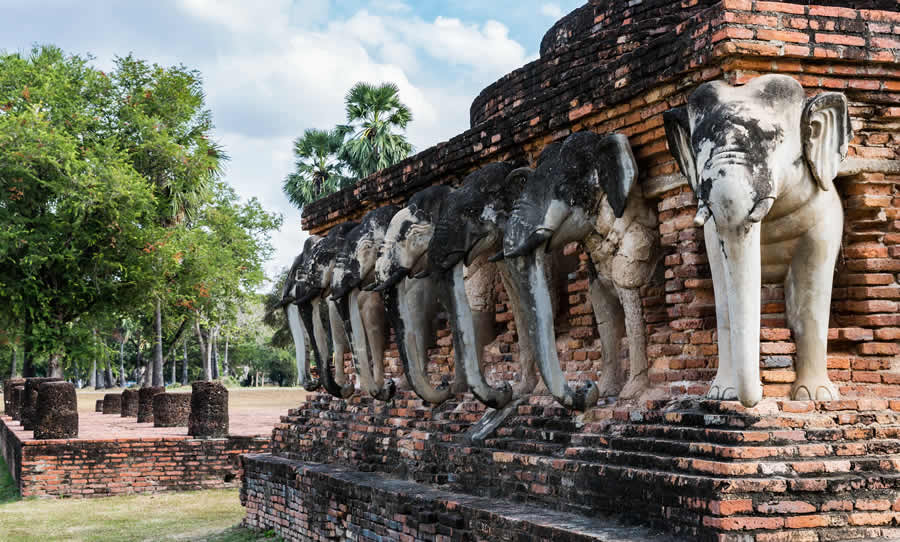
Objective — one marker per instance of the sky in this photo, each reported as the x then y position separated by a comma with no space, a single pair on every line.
273,68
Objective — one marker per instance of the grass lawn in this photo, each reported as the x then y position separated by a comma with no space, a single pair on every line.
193,515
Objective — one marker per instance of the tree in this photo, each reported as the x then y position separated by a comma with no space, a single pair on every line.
166,130
75,212
373,113
318,171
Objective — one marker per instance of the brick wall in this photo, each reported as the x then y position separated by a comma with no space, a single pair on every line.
705,469
590,78
86,468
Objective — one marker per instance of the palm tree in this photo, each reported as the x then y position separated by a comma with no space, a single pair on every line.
317,170
373,113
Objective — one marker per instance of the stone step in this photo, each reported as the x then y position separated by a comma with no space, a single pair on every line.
377,507
732,452
752,437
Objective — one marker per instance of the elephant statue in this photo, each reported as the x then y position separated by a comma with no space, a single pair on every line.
761,160
583,189
469,231
292,313
412,303
362,312
319,313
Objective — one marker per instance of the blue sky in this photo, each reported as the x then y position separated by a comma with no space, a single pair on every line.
273,68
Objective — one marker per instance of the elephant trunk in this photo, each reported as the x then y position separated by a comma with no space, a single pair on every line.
466,343
528,274
406,305
363,353
293,317
741,251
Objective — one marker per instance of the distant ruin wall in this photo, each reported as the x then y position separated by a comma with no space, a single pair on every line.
120,466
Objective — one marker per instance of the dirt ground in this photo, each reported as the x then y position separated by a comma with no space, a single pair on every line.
251,412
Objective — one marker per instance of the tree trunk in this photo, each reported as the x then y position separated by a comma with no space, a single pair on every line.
214,352
207,369
27,362
122,363
54,365
158,348
109,380
12,369
92,382
225,368
184,366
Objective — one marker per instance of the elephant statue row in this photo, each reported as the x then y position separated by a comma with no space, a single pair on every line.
760,158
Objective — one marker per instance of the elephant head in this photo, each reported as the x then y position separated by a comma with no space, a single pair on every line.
412,304
469,230
579,183
761,160
408,235
292,288
319,315
362,312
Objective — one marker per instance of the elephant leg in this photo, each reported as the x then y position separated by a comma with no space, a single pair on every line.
371,312
341,346
807,292
610,319
322,336
528,371
638,379
724,385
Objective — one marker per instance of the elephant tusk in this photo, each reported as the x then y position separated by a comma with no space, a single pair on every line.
422,274
499,256
369,287
702,216
398,275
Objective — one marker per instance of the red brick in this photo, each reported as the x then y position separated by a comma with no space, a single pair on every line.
805,522
870,518
782,35
828,11
839,39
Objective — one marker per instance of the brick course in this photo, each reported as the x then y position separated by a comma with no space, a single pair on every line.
118,466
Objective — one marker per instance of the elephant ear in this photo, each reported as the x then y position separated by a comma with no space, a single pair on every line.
826,134
519,177
617,171
678,135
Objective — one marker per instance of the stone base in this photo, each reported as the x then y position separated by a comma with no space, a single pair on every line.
704,470
310,501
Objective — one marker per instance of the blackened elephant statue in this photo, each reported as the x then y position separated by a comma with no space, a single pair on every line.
584,189
362,311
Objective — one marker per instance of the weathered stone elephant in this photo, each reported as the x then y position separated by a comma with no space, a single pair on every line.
412,303
362,312
469,230
583,189
761,160
319,313
292,312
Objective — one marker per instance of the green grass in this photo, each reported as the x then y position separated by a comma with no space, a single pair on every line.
194,515
9,492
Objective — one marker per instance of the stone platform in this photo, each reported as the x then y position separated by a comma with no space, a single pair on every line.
115,455
354,505
697,469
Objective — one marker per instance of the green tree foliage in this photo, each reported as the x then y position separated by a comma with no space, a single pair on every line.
75,213
374,113
317,169
368,143
113,210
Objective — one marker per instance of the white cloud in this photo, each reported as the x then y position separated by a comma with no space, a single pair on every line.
552,10
275,75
